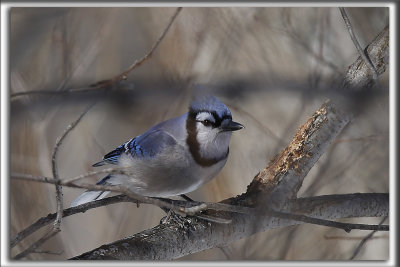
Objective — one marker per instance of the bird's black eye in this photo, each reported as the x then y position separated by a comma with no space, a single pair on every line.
206,123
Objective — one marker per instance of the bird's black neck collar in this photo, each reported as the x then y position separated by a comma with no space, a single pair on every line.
193,143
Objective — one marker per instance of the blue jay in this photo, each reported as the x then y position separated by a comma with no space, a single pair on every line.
174,157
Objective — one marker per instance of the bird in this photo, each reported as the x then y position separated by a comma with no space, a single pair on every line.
174,157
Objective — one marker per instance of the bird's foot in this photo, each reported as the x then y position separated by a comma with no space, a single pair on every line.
173,218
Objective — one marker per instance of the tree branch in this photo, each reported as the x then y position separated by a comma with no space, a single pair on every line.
168,241
67,212
359,75
282,178
362,54
364,240
59,141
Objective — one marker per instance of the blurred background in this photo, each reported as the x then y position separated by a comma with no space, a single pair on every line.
272,66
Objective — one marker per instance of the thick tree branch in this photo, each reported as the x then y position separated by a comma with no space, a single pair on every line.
168,241
301,204
282,178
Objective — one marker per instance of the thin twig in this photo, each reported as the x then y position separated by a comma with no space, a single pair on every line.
137,63
345,226
266,130
373,137
54,92
361,52
59,195
365,240
352,238
115,188
115,170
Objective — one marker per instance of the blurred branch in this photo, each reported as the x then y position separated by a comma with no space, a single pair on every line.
365,239
49,234
292,33
362,54
265,129
59,142
353,238
137,63
368,138
56,92
48,252
106,84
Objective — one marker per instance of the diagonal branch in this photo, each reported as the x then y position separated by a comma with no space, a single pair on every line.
361,52
66,212
284,175
59,142
358,75
49,234
364,240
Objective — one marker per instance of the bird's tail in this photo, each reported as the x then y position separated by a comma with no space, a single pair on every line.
89,196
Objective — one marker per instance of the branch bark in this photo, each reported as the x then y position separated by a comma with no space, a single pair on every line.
168,241
359,75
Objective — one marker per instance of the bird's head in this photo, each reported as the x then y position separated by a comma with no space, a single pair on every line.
209,127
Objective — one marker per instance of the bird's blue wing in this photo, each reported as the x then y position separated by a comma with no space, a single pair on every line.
148,144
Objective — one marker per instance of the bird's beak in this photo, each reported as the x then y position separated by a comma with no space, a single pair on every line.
232,126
